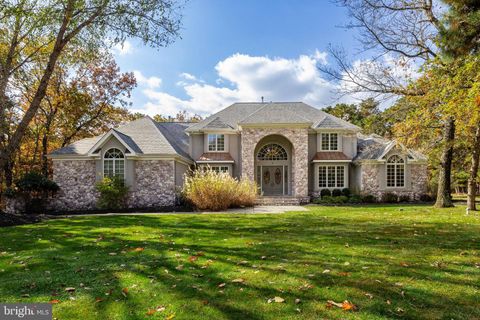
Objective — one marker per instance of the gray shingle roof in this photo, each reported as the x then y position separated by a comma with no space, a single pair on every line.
79,147
373,146
143,136
271,112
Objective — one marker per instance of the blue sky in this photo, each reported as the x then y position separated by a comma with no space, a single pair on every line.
239,50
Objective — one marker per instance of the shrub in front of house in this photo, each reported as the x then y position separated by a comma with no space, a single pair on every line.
389,197
33,189
355,198
346,192
404,198
113,193
336,193
210,190
325,192
368,198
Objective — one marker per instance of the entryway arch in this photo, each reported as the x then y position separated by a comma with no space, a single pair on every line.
273,165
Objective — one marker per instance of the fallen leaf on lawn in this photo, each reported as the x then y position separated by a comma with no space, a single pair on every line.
263,257
179,267
161,308
404,264
98,299
112,253
297,301
238,280
389,302
344,274
192,258
151,312
125,292
276,300
369,295
54,301
348,306
139,249
243,262
345,305
204,302
70,289
221,285
170,317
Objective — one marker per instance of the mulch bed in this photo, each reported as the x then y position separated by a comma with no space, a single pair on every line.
7,220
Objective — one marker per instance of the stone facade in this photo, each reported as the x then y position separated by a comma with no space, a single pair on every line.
299,140
415,186
76,179
154,184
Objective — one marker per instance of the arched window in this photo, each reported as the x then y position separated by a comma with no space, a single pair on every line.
395,172
272,151
114,164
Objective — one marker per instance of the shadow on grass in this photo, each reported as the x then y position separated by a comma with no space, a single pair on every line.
276,255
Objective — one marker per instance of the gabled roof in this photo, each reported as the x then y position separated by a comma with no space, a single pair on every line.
143,137
374,147
249,113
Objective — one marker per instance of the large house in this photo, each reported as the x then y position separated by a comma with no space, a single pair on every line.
292,150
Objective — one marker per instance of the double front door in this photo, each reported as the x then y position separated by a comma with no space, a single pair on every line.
273,180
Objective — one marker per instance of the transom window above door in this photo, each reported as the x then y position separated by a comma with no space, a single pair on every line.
216,142
329,141
272,151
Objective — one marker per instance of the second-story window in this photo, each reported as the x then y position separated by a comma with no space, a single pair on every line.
216,142
330,141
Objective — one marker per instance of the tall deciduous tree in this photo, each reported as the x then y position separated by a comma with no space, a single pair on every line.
409,33
32,30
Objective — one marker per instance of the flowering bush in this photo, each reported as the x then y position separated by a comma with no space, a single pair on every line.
210,190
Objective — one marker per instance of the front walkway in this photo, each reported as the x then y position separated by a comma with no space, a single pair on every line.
251,210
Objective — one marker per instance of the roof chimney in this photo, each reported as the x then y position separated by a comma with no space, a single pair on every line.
262,99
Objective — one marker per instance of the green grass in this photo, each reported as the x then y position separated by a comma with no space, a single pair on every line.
398,261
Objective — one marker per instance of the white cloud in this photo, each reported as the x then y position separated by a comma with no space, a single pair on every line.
250,78
149,82
188,76
123,49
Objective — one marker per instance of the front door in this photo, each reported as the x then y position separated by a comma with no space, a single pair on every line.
272,180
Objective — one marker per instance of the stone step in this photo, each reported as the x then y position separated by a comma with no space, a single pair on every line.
280,201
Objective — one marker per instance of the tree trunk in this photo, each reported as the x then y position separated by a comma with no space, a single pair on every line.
472,180
8,171
444,197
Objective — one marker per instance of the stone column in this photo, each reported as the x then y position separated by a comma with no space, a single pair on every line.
298,138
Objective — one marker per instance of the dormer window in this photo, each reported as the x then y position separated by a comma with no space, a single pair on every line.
216,142
329,142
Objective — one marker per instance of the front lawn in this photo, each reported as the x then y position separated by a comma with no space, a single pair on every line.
399,261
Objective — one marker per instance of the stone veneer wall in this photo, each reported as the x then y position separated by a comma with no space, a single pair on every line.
154,184
371,183
76,179
299,140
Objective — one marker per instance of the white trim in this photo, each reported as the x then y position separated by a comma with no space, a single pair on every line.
104,139
330,161
226,142
213,161
346,173
227,165
123,159
404,164
320,140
